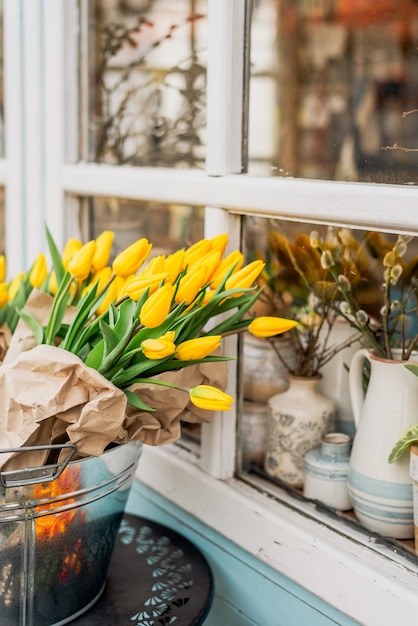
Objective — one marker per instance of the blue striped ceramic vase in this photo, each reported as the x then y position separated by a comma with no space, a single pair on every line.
381,492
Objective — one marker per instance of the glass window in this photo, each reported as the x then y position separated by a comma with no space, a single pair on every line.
145,83
336,82
1,86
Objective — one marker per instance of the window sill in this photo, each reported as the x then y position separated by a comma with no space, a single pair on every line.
367,581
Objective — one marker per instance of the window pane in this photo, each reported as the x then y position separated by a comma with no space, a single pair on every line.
144,89
331,80
1,84
167,226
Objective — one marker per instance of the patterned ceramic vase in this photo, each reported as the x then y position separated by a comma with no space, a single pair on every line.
297,419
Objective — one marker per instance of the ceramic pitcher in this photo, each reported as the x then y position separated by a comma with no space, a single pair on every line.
381,492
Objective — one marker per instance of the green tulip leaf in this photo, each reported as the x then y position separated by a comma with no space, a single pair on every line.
408,439
55,256
95,356
412,368
34,325
135,400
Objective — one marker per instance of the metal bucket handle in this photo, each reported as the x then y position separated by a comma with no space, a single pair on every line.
40,474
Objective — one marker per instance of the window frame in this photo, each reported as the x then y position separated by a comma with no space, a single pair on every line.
367,582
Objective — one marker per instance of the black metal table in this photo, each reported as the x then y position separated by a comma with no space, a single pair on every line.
156,577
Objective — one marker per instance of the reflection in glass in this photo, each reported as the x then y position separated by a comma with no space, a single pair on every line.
146,85
331,81
167,226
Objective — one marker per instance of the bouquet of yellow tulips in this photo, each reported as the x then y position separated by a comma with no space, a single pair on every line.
124,339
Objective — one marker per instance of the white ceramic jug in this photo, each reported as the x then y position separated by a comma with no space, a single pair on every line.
381,492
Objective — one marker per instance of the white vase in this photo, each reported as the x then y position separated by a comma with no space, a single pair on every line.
263,373
334,382
381,492
297,420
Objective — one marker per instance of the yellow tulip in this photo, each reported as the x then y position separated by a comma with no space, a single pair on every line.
101,277
71,248
52,283
4,296
160,348
112,295
155,266
198,348
196,251
269,326
234,260
219,242
39,271
190,284
210,398
136,286
155,310
174,264
246,276
130,260
15,284
2,268
104,243
80,264
210,262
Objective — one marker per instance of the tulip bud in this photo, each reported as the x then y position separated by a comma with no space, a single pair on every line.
71,248
15,284
210,398
137,285
196,251
234,260
4,296
160,348
155,266
219,242
80,264
198,348
246,276
209,262
130,260
104,244
266,326
2,268
174,264
190,284
156,308
112,295
39,272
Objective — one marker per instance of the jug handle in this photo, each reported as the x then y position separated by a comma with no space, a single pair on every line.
355,383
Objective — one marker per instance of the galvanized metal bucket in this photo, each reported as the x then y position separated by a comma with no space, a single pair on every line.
58,525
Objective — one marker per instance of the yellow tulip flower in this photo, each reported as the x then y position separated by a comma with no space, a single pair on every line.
210,398
246,276
198,348
2,268
155,266
160,348
269,326
174,264
71,248
155,310
136,286
52,283
104,243
15,284
4,296
190,284
210,262
234,260
219,242
196,251
130,260
80,264
112,295
39,271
